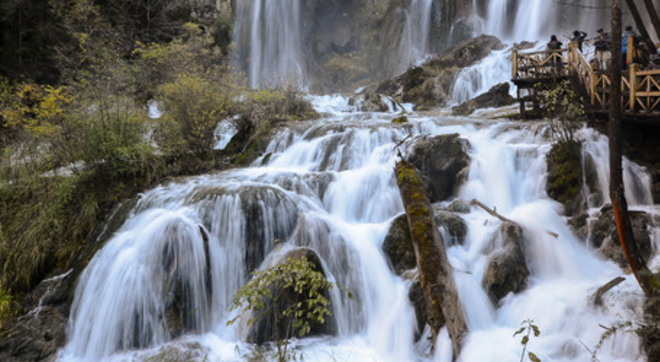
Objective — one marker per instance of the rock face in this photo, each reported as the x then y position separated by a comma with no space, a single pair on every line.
497,96
263,330
443,163
565,177
356,42
38,335
428,85
507,270
605,238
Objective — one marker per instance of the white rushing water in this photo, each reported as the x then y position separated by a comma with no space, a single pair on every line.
270,32
187,246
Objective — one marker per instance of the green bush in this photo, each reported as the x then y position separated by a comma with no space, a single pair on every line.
192,108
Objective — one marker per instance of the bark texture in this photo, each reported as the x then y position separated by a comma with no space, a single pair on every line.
440,293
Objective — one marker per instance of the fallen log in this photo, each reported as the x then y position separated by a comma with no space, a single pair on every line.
495,214
436,278
597,298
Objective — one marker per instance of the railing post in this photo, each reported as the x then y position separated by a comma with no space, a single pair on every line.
594,81
633,87
515,65
631,51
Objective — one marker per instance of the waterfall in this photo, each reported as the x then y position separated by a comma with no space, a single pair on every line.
415,40
165,279
269,40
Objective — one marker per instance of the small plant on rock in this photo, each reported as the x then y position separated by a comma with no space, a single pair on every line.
294,292
528,328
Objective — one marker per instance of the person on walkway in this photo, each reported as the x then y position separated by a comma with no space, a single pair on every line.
603,54
625,46
655,61
578,37
554,47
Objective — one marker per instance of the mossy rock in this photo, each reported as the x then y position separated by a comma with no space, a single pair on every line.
400,120
565,176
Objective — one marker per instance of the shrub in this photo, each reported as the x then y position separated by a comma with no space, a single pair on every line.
266,288
566,108
193,106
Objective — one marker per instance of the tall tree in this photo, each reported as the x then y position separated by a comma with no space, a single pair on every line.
649,283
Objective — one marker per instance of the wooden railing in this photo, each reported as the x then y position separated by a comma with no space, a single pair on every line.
640,89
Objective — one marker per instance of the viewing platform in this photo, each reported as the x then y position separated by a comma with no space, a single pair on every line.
535,71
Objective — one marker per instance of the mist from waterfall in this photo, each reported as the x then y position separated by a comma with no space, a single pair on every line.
269,40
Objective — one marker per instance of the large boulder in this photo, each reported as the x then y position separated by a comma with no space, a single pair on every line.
565,176
507,270
497,96
605,238
264,328
443,163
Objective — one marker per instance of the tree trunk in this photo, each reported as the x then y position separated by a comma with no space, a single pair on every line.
645,278
653,14
436,277
640,25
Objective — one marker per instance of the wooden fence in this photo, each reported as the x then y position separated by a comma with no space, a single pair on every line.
640,88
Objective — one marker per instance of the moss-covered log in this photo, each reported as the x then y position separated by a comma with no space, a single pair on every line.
436,277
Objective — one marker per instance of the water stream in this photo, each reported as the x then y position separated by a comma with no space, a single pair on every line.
329,185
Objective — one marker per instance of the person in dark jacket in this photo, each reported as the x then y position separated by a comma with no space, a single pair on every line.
554,46
578,37
603,53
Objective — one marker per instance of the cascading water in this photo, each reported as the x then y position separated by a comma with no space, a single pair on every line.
268,35
166,277
415,40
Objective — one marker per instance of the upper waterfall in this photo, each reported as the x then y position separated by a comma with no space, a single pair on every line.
415,40
268,34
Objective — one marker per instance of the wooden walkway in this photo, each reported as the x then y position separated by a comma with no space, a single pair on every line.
640,89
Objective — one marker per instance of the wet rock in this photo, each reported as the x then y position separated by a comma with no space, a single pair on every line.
595,195
507,270
459,206
416,297
398,246
605,238
443,163
580,225
372,102
38,335
453,224
428,85
497,96
655,191
263,330
565,177
270,215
